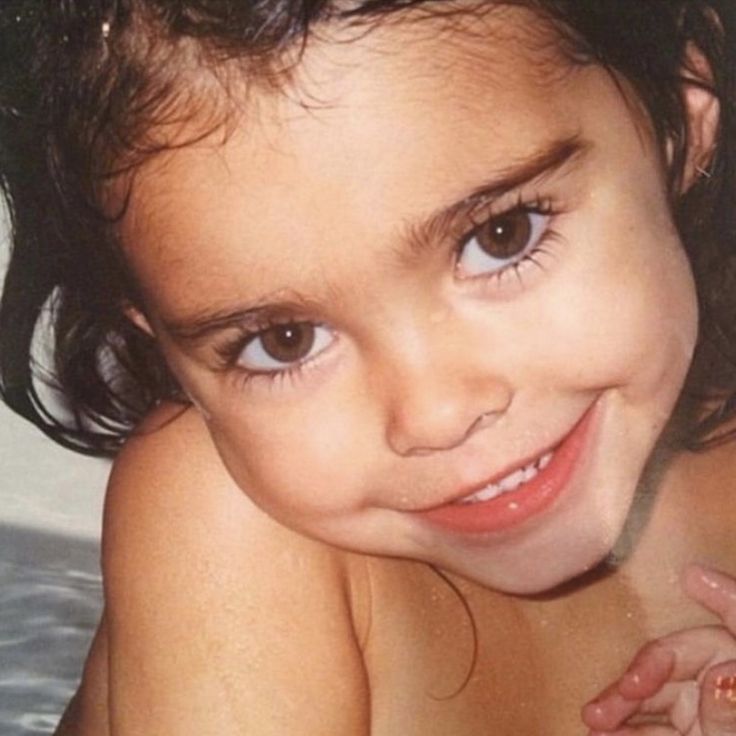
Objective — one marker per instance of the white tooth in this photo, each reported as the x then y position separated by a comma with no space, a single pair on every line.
529,472
487,493
510,482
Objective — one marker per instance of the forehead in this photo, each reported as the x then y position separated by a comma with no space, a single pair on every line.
373,130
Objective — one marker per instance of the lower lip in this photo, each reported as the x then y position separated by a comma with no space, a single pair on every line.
531,498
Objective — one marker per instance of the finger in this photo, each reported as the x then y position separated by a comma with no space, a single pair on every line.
651,667
718,700
689,652
608,710
677,701
659,678
643,730
714,590
645,676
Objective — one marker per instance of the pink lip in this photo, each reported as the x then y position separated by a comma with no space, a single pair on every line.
533,497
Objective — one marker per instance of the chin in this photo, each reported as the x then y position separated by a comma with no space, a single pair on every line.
564,565
544,581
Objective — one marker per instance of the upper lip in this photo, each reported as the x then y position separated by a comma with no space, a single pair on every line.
472,488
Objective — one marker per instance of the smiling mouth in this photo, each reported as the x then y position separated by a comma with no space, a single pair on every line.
511,482
521,494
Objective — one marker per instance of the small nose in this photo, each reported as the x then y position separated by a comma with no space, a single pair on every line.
438,407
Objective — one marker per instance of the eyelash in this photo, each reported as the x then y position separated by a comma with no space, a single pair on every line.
229,352
537,205
273,378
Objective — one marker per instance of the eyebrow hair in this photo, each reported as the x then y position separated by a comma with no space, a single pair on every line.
286,304
283,304
419,237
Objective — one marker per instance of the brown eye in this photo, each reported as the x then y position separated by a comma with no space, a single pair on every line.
501,241
283,346
288,343
507,235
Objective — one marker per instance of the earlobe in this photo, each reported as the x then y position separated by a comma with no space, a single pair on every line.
138,319
703,116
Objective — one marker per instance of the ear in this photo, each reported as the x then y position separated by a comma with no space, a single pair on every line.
138,319
703,114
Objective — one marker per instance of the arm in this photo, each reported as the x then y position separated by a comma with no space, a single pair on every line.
219,620
86,714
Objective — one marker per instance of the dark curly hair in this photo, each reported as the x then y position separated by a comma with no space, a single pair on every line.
86,86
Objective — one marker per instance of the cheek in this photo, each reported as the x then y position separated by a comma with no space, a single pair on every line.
633,326
296,460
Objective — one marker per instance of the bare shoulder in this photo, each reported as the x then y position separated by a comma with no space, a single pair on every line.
219,619
169,493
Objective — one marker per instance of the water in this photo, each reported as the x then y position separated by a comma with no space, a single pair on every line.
50,602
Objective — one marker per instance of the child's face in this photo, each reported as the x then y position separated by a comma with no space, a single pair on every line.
436,343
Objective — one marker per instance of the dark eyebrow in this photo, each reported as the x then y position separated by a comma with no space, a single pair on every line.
420,236
283,305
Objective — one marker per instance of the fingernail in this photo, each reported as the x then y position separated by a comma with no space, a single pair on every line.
725,688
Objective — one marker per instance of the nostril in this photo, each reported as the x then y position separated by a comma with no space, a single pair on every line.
420,451
404,446
432,408
484,420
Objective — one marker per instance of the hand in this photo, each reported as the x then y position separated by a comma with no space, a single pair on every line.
688,677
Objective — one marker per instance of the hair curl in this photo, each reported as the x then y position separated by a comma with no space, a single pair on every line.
86,86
